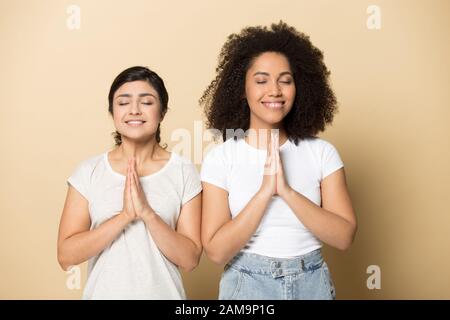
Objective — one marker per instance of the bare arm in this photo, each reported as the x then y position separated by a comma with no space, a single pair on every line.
76,243
223,237
334,223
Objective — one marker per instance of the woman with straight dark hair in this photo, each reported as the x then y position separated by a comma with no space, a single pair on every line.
134,212
273,191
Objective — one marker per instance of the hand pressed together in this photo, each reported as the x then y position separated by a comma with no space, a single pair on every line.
274,181
135,204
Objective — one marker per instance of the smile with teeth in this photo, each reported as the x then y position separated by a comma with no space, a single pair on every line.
135,123
273,105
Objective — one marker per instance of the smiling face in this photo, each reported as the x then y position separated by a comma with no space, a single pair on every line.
136,111
269,89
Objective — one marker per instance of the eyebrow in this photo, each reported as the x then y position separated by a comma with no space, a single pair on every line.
127,95
267,74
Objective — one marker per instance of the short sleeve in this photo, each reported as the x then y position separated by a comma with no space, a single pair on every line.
191,180
331,160
214,169
80,179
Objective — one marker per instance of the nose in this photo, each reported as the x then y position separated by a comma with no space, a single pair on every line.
135,108
274,90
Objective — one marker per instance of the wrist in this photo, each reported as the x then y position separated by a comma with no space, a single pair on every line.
124,218
148,215
263,195
286,192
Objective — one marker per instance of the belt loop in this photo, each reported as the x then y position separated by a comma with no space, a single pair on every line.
303,264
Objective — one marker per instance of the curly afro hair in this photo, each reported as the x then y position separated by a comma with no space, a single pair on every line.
224,99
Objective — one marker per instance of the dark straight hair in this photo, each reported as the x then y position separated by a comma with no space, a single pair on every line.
139,74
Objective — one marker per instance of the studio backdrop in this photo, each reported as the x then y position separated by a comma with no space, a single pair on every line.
390,71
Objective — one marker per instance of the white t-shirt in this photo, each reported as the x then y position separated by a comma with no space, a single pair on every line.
133,267
238,168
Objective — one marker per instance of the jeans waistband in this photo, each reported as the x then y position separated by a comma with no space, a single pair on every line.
276,267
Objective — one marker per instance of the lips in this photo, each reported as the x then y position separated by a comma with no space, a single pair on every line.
135,123
273,104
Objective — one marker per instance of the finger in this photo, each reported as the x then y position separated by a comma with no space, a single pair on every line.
136,178
270,167
128,198
278,163
130,179
131,169
276,142
125,191
134,193
269,144
134,183
276,151
272,154
127,180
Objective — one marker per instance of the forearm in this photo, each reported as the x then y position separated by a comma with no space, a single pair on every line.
82,246
325,225
235,234
176,247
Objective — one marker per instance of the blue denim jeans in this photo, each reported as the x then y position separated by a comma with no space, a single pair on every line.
250,276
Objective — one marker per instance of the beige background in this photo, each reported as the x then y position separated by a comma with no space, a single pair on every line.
392,130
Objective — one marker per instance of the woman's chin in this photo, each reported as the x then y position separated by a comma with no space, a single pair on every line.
273,121
138,138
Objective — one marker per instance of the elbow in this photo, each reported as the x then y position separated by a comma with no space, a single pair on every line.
216,256
188,267
63,262
65,265
193,261
344,246
346,243
62,257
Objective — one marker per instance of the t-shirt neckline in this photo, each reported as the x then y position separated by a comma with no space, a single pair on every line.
282,147
164,167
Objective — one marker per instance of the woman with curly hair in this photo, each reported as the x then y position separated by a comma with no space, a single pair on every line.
273,191
134,212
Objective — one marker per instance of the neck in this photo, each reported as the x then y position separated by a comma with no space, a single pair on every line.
260,132
141,151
